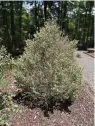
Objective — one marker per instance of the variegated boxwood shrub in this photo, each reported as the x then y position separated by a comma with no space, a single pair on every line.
48,67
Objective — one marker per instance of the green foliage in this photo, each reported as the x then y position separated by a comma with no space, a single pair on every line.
74,17
4,64
48,67
6,108
3,83
5,104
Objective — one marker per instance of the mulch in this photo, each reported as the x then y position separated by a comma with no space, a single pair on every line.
82,114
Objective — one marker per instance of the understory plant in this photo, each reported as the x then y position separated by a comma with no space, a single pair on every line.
6,109
48,67
4,63
5,99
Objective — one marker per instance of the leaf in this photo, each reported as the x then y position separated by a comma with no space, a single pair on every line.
3,83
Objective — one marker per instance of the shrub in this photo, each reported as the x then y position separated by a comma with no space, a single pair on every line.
4,65
4,59
5,109
5,99
48,67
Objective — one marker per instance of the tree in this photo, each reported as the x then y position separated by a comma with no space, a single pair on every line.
20,17
73,17
12,23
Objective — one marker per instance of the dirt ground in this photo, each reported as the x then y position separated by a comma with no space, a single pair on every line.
82,114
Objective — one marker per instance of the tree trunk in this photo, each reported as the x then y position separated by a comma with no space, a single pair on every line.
36,15
20,19
12,25
89,22
45,10
4,22
84,30
64,24
12,19
38,18
58,12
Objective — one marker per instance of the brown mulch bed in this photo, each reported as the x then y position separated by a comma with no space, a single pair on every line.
82,114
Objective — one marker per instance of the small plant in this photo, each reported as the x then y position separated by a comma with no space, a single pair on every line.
5,109
4,62
48,68
5,99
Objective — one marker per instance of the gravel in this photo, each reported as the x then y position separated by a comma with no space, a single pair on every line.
87,63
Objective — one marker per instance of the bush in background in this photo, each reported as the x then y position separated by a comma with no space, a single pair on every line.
48,67
6,106
5,99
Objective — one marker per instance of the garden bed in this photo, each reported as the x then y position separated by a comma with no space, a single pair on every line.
80,114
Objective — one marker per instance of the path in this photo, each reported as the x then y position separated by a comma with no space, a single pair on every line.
87,62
